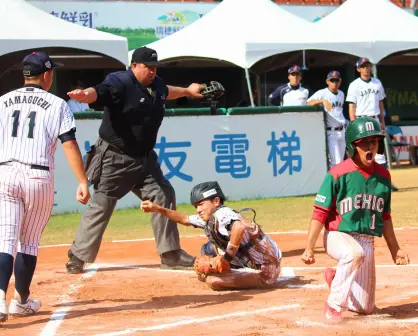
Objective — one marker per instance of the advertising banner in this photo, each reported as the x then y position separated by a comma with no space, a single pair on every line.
140,22
143,22
251,156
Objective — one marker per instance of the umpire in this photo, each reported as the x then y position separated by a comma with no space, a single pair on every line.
123,158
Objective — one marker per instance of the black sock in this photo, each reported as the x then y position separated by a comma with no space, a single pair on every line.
6,270
25,265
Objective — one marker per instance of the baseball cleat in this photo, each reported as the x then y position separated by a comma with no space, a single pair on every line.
74,265
329,275
177,260
331,315
23,309
3,311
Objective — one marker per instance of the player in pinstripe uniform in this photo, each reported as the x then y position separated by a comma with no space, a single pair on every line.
333,101
31,122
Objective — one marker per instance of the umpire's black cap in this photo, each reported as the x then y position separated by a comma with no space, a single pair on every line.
146,56
37,63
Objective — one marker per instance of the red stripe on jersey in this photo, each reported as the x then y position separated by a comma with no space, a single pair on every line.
343,168
348,166
320,214
386,216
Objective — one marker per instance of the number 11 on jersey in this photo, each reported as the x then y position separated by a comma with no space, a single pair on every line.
31,117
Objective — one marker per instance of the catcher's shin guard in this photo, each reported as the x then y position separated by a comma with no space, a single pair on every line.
234,280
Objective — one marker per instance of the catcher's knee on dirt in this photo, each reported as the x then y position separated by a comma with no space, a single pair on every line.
208,249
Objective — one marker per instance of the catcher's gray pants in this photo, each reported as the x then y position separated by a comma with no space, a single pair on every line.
114,175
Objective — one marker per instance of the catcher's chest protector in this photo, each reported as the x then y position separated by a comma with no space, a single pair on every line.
250,244
213,234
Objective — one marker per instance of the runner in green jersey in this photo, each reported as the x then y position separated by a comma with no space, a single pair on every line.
353,203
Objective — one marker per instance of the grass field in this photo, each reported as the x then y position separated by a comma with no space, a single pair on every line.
274,214
136,41
136,37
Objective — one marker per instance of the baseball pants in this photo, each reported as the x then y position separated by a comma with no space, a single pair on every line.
265,277
336,146
26,201
354,284
120,174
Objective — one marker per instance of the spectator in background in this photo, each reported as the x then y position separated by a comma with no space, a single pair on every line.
366,97
292,93
74,105
333,100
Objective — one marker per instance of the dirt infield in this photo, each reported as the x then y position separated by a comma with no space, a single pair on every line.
125,293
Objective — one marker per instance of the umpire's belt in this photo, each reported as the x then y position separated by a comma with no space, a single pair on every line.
118,150
31,166
335,128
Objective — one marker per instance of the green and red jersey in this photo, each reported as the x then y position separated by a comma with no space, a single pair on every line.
355,200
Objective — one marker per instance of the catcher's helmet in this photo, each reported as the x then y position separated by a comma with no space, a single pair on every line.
206,190
360,128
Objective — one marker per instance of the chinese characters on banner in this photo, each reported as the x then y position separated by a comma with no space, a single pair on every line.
84,19
165,156
230,156
284,149
163,31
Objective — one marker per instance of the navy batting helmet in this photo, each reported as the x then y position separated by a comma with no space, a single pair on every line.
206,190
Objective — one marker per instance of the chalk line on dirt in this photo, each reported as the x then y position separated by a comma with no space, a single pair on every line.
200,236
200,320
59,315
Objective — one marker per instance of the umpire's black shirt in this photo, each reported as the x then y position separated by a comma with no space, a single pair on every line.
133,112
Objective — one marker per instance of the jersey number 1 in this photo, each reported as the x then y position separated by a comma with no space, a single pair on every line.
31,118
373,222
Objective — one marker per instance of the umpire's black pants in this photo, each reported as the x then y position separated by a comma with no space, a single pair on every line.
120,174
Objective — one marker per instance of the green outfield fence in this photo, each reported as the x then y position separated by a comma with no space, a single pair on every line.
220,111
172,112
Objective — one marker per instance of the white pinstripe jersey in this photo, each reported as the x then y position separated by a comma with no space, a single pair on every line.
31,120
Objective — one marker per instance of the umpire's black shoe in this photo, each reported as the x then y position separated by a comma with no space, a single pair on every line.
74,265
177,260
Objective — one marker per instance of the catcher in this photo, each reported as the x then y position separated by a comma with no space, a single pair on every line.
233,241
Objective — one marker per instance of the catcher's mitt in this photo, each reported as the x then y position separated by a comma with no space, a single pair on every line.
213,90
205,265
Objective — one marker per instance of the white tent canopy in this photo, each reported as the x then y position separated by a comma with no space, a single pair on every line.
222,34
27,27
381,27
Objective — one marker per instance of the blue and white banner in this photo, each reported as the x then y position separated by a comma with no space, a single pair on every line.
251,156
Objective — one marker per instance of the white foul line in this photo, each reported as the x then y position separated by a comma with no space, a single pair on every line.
200,236
59,315
287,272
377,266
118,266
200,320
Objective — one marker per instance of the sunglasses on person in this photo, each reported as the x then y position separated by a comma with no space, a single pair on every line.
334,80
